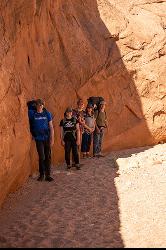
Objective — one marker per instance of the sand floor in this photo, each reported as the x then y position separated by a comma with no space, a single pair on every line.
115,201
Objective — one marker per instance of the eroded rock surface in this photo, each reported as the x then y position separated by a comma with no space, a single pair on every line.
59,50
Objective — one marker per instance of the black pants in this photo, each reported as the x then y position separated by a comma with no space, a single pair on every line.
44,152
71,144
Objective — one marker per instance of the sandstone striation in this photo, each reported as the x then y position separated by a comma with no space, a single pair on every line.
59,50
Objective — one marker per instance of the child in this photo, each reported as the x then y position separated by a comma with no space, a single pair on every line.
89,128
70,137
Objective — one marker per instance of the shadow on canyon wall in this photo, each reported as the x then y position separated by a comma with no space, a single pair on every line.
84,60
102,72
97,69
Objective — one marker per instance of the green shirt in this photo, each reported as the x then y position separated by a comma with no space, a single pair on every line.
100,118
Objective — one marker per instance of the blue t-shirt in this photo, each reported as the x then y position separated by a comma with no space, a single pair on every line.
39,123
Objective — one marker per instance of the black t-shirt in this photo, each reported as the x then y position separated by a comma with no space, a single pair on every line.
69,128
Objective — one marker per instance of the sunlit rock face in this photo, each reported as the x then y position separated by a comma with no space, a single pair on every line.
60,50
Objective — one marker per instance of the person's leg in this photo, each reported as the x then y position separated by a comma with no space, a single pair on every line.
89,140
84,144
78,148
96,143
40,150
67,152
47,151
75,153
101,141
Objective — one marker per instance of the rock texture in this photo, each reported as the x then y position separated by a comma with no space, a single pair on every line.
59,50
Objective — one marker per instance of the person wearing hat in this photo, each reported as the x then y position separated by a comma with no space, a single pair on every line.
70,137
101,124
43,133
89,127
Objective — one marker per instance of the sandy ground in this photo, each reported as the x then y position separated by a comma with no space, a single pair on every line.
115,201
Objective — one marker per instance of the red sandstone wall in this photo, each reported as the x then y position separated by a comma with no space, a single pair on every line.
61,49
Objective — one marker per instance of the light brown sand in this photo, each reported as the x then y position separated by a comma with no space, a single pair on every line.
103,205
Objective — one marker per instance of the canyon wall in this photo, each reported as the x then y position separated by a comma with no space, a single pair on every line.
60,50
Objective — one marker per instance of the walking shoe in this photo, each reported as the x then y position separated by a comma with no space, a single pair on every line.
68,167
78,167
95,155
100,155
84,156
88,155
49,178
40,178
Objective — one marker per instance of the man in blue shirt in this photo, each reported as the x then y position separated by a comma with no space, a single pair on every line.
43,132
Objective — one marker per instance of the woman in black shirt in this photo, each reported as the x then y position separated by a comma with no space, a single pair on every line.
70,137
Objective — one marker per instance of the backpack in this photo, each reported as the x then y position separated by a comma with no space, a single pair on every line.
95,100
32,106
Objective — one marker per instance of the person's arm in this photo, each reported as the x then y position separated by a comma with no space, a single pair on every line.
95,116
97,128
61,136
94,126
78,134
51,133
88,128
106,122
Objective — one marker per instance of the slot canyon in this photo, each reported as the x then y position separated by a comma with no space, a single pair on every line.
60,50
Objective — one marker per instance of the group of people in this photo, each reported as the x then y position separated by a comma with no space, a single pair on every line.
79,129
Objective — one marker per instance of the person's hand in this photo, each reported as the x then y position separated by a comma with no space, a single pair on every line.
82,122
78,142
91,130
51,142
62,143
98,130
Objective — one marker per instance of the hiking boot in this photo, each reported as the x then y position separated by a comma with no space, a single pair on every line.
49,178
40,178
78,167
